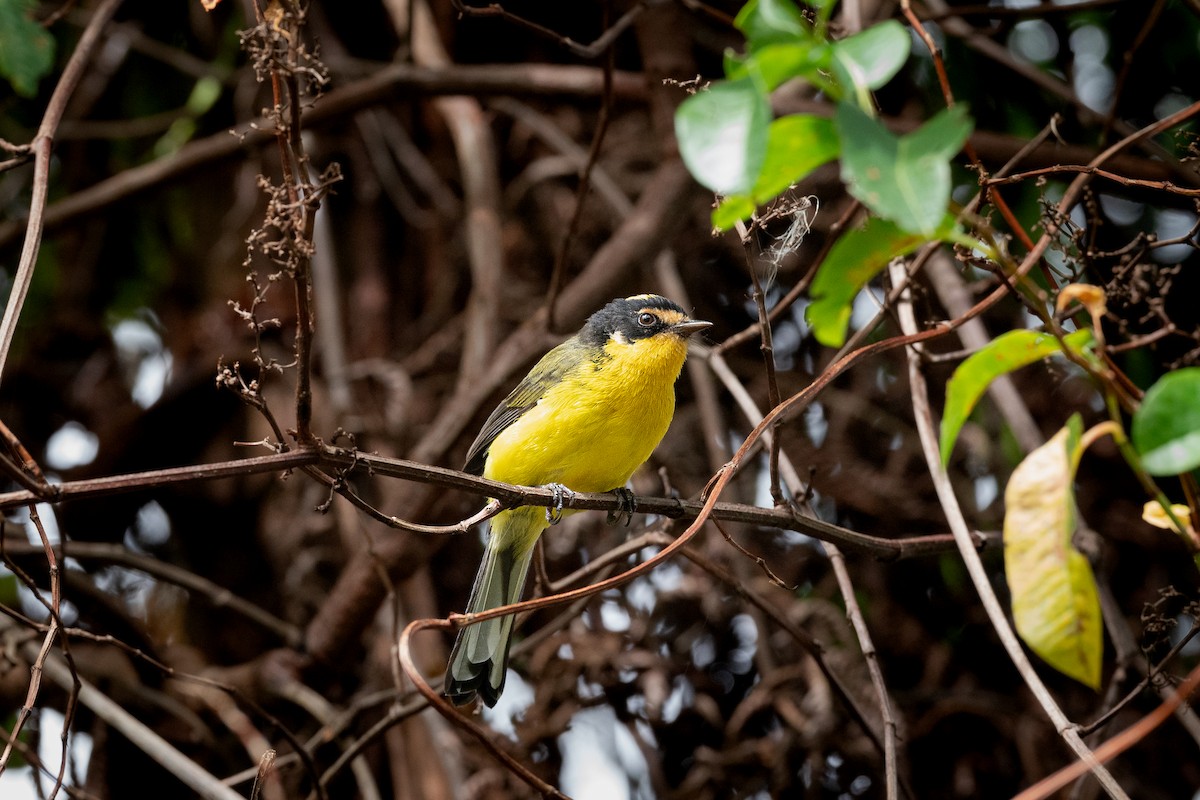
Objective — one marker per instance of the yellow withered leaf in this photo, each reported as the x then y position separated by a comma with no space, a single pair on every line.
1055,604
1090,297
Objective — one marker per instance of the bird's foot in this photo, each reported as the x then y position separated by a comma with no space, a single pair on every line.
554,513
626,506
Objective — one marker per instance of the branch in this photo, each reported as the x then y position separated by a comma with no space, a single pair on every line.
509,496
1163,186
659,210
475,148
945,491
594,48
384,83
217,595
42,146
204,783
136,481
443,707
1119,743
845,586
713,492
37,663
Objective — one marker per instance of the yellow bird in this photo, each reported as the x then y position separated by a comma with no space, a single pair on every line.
585,417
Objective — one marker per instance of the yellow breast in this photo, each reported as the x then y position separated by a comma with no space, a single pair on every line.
599,424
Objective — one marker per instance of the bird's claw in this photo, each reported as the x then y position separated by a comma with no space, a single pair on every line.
554,513
626,506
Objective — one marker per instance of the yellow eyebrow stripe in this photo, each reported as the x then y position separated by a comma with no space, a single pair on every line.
668,317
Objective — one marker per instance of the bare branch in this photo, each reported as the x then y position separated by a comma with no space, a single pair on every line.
42,146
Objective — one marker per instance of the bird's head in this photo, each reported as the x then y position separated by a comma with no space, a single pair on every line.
637,319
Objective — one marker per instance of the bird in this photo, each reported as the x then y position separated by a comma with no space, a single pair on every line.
587,415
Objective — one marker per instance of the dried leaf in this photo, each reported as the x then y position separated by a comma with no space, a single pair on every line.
1090,297
1055,603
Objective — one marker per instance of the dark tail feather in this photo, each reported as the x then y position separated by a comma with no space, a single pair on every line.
479,661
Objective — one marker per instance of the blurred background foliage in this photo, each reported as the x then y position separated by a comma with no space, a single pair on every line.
674,685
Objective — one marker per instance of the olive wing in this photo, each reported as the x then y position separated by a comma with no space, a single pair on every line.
548,372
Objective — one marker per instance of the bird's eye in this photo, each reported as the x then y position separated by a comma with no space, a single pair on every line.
646,319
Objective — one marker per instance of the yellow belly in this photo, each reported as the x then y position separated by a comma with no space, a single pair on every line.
592,430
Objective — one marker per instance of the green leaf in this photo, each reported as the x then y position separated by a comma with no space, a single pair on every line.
1166,427
731,211
904,179
776,63
1006,353
856,258
796,145
9,589
868,59
1055,604
771,21
204,95
26,49
722,135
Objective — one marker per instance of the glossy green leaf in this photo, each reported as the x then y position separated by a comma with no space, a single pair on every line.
869,59
771,21
722,135
1166,427
26,49
857,257
904,179
796,145
1055,604
1007,352
776,63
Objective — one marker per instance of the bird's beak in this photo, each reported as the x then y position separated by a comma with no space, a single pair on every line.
686,329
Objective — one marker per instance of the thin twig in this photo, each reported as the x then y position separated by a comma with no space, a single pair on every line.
509,496
601,43
254,742
1152,673
845,586
475,148
797,291
296,233
384,81
816,650
1117,744
1003,12
716,486
120,484
217,595
512,496
956,26
947,283
42,146
767,347
26,471
945,491
585,181
395,715
1118,89
37,664
443,707
200,780
325,712
1162,186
